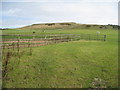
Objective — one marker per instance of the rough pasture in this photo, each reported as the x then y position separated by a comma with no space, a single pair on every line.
74,64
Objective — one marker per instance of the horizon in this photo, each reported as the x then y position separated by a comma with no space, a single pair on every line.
24,13
52,22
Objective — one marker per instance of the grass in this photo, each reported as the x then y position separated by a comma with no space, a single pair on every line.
75,64
57,31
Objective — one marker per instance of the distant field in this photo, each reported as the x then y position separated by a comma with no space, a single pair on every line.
74,64
109,32
58,31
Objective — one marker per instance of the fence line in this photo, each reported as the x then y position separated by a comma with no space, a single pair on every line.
39,40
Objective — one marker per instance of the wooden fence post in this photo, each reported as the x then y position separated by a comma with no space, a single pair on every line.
33,35
60,38
46,39
18,43
104,37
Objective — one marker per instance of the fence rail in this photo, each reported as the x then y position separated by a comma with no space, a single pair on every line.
37,40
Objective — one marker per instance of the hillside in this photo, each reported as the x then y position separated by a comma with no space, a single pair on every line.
67,25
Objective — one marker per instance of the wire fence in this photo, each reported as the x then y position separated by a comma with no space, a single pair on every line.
14,40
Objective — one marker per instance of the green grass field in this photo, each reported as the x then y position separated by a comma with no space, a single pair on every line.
75,64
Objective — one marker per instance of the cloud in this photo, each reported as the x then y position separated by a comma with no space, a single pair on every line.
11,12
25,13
83,11
119,14
12,21
60,0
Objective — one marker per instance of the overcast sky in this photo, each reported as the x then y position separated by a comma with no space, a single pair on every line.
18,13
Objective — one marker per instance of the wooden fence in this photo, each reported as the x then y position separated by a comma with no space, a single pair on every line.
39,40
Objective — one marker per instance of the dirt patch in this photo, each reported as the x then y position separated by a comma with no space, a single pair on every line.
23,41
28,43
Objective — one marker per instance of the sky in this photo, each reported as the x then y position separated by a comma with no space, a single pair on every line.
19,13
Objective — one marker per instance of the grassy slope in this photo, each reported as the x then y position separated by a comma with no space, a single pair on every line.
72,64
